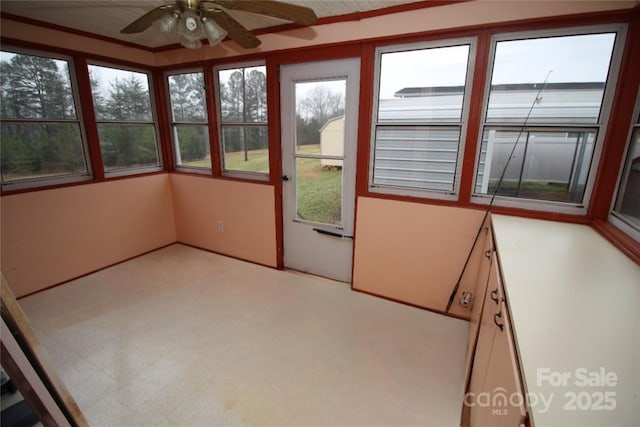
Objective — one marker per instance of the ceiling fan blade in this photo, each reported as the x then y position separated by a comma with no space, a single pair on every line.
298,14
237,32
145,21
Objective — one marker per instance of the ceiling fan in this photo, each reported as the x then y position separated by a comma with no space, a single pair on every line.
193,19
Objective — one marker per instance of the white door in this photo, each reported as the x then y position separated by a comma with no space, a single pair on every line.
319,104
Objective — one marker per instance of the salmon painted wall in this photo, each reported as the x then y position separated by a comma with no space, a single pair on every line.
52,236
412,252
246,209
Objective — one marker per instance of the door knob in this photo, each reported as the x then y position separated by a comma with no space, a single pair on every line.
285,178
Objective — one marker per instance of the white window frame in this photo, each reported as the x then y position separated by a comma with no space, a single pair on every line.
154,120
64,179
600,127
259,176
462,125
203,170
615,218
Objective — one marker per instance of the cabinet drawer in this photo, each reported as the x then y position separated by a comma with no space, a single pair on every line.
496,396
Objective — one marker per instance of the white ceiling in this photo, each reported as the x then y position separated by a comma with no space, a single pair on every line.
108,17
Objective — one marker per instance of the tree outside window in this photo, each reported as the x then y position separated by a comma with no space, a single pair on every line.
41,136
189,120
243,119
124,116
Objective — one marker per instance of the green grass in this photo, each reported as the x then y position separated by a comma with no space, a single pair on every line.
257,161
202,163
318,192
10,177
541,191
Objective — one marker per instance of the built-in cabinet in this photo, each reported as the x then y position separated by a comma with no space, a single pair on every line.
534,275
571,307
495,395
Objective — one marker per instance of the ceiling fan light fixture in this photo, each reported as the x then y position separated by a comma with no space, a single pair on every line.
214,33
189,21
190,27
168,24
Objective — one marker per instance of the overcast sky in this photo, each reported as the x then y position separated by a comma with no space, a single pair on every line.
105,76
582,58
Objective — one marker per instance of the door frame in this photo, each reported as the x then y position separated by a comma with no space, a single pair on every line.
305,72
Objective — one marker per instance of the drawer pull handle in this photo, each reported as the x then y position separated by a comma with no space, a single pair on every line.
494,296
497,316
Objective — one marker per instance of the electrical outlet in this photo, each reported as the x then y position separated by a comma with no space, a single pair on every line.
220,226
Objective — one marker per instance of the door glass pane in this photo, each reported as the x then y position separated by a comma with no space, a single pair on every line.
320,115
319,190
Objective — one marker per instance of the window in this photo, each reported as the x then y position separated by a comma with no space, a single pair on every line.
540,140
41,134
125,120
420,113
189,121
626,211
242,119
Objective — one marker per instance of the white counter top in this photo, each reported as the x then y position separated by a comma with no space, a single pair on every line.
575,307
